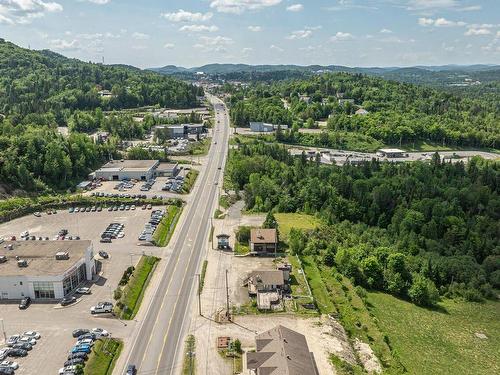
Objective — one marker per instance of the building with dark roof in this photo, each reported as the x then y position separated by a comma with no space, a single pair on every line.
281,351
263,240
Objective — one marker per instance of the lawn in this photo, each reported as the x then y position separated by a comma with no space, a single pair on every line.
166,227
134,290
321,296
295,220
103,357
189,181
443,341
189,362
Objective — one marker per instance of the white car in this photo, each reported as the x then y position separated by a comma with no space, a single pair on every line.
12,340
2,239
67,369
88,342
27,339
3,353
25,234
11,364
99,332
83,290
101,308
33,334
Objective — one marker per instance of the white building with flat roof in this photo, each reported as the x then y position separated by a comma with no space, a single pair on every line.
117,170
391,153
44,269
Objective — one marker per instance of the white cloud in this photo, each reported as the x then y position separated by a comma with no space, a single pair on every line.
140,36
169,45
255,28
299,34
198,28
386,31
99,2
213,43
246,50
64,45
341,36
25,11
439,22
276,48
471,8
186,16
480,31
240,6
431,4
295,8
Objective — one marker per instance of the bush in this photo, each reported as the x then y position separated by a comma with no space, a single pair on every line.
243,234
423,291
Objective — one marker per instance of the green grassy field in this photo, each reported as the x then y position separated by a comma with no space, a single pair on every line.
443,341
288,221
165,229
133,291
103,357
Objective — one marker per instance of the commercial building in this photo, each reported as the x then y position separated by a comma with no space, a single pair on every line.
166,169
263,127
391,153
281,351
263,241
44,269
117,170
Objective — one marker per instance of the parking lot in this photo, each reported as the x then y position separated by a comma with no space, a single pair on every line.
55,323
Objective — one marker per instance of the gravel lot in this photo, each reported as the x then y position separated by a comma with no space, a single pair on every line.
54,323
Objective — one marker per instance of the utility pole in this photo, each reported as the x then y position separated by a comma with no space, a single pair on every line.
227,300
3,331
199,294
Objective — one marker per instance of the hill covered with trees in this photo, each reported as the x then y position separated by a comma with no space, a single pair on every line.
415,230
399,113
41,90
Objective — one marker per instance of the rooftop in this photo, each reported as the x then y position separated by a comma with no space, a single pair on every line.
41,257
267,277
126,164
391,150
263,236
282,351
168,166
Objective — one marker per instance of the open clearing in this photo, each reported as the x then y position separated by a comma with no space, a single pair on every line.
295,220
445,341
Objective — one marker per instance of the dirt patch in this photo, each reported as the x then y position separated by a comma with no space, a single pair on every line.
338,342
481,335
367,358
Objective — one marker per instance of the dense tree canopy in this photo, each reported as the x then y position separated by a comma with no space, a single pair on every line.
399,113
398,227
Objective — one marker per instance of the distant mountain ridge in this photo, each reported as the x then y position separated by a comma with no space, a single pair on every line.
233,68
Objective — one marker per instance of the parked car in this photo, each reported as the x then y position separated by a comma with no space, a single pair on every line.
67,301
90,336
102,308
81,355
27,340
80,331
33,334
103,254
67,369
6,371
17,353
105,240
13,365
99,332
22,345
12,340
74,361
25,302
87,341
81,348
37,214
83,290
3,353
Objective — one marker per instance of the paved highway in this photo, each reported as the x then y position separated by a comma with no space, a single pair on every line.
157,343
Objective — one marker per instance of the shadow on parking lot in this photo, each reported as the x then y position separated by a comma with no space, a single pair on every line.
101,281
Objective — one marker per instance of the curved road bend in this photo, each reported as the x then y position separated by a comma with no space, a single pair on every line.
157,346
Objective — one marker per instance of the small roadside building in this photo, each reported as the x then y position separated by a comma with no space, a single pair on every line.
263,241
165,169
281,351
118,170
264,127
44,269
391,153
223,241
265,281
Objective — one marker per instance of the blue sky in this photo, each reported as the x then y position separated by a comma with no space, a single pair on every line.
149,33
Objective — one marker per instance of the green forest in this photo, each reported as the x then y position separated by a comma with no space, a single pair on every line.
41,90
416,230
399,113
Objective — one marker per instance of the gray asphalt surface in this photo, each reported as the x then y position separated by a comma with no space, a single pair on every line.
157,348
